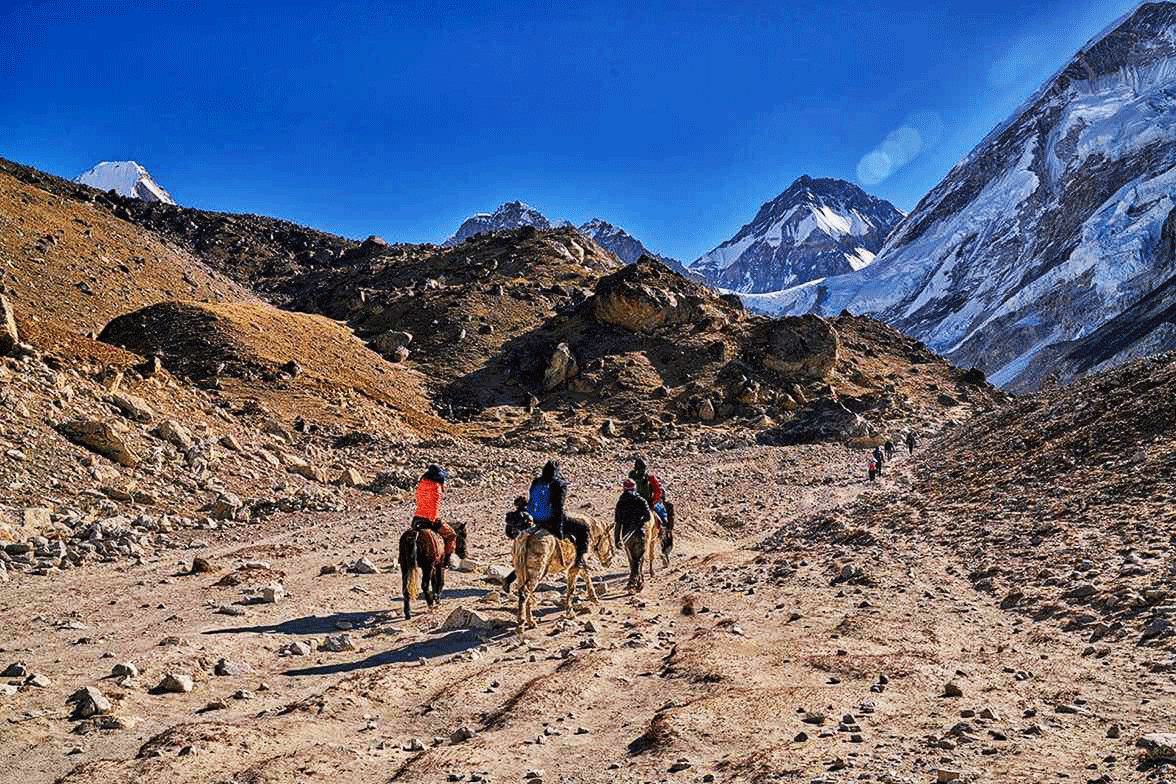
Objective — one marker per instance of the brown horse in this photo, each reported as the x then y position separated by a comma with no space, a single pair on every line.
422,562
538,553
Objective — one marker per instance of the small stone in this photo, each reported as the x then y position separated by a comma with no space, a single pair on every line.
337,643
951,689
15,670
124,670
461,734
225,668
680,766
88,702
943,775
175,683
296,648
273,593
416,744
201,566
37,680
363,566
1114,731
801,737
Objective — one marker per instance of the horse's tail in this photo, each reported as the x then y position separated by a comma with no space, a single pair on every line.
409,565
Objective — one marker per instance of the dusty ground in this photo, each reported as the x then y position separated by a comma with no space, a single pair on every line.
723,692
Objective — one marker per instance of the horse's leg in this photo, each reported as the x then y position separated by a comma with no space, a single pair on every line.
438,583
569,608
405,581
427,583
592,595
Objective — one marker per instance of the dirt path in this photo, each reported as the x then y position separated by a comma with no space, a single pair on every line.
635,690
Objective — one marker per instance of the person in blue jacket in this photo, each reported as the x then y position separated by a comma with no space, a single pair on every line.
546,507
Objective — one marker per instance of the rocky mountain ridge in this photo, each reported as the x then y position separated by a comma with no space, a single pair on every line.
1057,224
814,229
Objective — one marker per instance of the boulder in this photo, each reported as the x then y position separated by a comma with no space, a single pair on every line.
349,477
99,437
9,337
387,343
648,294
461,618
228,507
132,408
822,420
802,348
561,368
311,472
175,434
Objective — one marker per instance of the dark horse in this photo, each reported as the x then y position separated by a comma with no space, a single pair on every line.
422,556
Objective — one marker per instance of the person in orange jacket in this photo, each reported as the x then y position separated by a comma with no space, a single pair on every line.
428,510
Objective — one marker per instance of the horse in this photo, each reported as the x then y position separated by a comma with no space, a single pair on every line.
664,538
422,556
537,553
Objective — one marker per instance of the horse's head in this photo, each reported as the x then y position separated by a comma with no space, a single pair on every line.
603,546
460,530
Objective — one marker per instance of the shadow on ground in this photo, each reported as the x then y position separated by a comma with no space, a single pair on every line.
445,645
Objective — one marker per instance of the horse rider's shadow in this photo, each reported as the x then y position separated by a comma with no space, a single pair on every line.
432,647
315,624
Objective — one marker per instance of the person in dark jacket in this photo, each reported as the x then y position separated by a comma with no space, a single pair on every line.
517,521
878,458
632,513
889,447
910,442
546,506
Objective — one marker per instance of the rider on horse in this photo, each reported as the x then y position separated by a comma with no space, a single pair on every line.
428,498
517,521
632,513
649,487
546,507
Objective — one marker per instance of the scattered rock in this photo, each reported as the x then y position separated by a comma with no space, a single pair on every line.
336,643
461,618
175,434
363,566
88,702
175,683
124,670
99,437
461,734
272,593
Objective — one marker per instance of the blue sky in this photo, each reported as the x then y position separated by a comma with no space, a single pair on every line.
674,120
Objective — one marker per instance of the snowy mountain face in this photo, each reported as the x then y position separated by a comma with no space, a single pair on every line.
621,243
1044,252
512,215
815,229
125,178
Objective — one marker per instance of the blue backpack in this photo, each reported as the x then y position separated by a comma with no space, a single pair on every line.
539,505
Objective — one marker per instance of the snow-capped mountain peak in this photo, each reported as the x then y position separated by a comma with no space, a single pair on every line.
1050,231
816,228
126,178
620,243
512,215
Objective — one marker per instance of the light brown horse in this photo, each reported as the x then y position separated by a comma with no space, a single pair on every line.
538,553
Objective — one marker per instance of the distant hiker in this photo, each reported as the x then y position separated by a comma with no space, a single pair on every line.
910,442
889,447
878,458
873,469
517,521
546,507
632,513
428,498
